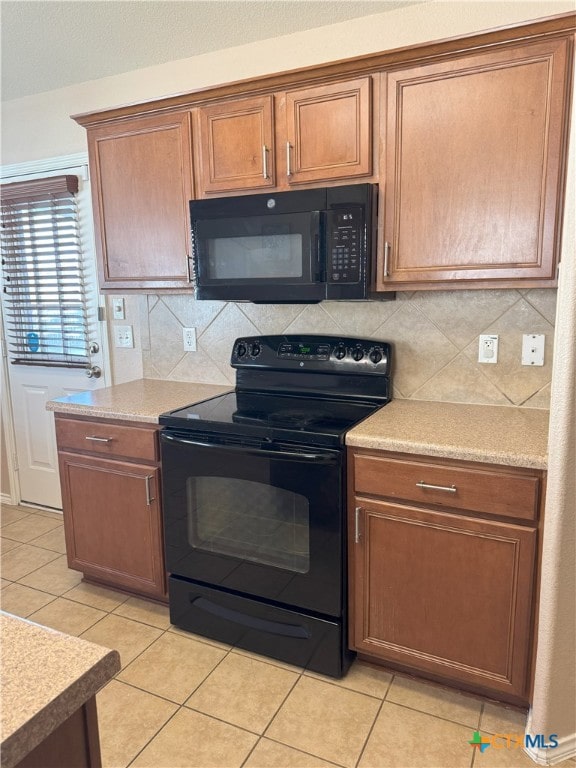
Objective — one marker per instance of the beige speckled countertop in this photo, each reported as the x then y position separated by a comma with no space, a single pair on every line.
46,676
139,400
488,433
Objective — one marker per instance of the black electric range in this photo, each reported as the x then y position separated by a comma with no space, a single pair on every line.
254,495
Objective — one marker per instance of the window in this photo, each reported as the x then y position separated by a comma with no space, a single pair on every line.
43,273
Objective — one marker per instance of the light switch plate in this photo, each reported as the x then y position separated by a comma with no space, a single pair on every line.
118,311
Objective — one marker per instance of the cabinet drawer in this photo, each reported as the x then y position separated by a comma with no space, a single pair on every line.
505,492
106,439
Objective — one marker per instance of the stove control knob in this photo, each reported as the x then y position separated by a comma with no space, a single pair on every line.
340,352
376,356
357,354
241,350
255,349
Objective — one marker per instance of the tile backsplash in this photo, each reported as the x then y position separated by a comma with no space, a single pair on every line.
435,338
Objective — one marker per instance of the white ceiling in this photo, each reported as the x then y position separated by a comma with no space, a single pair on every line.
49,44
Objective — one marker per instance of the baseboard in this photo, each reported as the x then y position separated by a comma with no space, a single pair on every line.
5,498
564,751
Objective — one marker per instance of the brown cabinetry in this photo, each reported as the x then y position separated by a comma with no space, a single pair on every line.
141,185
111,502
329,132
466,138
310,135
442,568
236,145
473,169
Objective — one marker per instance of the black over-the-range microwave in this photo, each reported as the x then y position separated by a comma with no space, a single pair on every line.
301,246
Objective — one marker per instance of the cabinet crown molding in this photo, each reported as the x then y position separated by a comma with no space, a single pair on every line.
553,26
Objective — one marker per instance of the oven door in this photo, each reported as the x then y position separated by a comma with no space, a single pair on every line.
255,518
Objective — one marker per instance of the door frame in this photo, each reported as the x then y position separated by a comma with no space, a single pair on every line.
16,172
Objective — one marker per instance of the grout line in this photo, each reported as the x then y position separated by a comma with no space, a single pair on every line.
296,749
284,700
151,739
430,714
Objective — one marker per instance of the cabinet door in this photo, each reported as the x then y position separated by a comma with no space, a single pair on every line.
236,145
445,594
112,522
141,186
474,166
329,132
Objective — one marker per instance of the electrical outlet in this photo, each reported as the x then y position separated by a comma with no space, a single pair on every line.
118,312
123,336
189,339
488,349
533,349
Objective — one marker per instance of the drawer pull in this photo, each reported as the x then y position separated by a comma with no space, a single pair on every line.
99,439
447,488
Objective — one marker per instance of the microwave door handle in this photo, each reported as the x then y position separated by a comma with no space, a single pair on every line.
251,451
317,238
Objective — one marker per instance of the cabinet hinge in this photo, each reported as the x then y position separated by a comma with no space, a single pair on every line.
15,462
101,314
3,345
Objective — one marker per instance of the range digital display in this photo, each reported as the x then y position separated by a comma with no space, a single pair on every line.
299,351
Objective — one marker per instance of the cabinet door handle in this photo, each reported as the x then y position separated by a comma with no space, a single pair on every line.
447,488
99,439
288,169
265,161
386,258
149,498
357,534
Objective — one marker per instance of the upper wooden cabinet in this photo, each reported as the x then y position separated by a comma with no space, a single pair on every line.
329,132
310,135
236,145
473,170
466,138
141,185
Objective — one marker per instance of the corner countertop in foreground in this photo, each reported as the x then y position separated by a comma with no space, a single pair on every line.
491,434
46,677
139,400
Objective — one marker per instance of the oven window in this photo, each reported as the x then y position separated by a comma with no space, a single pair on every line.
249,520
255,257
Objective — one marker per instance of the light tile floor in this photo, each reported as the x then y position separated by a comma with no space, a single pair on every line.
182,701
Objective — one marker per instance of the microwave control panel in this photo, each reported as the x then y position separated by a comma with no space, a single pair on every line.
344,240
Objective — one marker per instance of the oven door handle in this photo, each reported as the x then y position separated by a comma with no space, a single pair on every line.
324,457
253,622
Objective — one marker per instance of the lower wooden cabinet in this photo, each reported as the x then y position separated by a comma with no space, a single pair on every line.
111,505
441,592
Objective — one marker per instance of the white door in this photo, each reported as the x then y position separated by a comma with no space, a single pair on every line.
31,386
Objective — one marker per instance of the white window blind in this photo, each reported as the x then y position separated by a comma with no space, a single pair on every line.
43,279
